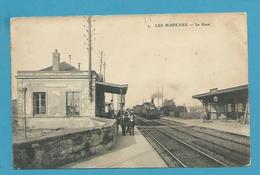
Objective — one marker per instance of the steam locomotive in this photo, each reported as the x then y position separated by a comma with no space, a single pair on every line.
147,110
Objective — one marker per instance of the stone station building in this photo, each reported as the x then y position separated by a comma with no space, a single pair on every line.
60,96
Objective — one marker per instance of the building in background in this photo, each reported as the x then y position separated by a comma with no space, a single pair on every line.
230,103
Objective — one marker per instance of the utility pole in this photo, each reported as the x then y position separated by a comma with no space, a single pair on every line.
104,67
101,62
162,96
88,29
158,97
88,42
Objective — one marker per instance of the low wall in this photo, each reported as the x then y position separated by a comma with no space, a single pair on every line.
54,122
56,150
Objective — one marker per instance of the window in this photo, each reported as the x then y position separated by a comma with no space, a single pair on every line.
229,108
240,107
72,103
39,103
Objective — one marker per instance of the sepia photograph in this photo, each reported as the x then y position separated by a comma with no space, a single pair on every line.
130,91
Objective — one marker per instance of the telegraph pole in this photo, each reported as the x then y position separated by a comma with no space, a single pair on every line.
104,67
88,42
101,62
162,96
88,29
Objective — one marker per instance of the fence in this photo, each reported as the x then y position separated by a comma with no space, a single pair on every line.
187,115
191,115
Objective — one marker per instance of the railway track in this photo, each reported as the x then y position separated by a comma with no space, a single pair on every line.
183,153
239,139
176,161
211,154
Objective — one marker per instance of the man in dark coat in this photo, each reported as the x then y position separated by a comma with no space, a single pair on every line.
123,122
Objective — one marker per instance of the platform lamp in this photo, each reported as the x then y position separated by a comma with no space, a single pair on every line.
215,99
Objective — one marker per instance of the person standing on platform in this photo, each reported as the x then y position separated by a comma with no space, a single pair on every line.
132,123
118,118
111,109
123,124
127,121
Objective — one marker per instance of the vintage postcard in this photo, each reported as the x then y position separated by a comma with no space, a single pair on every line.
130,91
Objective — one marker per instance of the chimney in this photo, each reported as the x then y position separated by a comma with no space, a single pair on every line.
70,59
152,101
78,66
55,60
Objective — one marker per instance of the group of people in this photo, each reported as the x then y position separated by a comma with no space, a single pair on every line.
126,120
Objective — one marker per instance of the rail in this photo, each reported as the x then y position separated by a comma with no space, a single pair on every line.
169,152
188,145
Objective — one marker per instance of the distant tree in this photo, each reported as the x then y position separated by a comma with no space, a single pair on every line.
170,104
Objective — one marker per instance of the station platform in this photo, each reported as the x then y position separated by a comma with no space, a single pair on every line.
231,126
128,152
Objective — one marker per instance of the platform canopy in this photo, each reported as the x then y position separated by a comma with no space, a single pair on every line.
112,88
229,95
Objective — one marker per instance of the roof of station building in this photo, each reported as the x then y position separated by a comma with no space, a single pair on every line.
222,91
63,66
112,88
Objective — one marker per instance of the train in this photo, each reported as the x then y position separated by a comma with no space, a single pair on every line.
147,110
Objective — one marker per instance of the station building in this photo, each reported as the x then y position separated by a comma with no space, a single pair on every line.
60,96
230,103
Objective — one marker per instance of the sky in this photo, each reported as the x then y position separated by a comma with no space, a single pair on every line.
183,54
